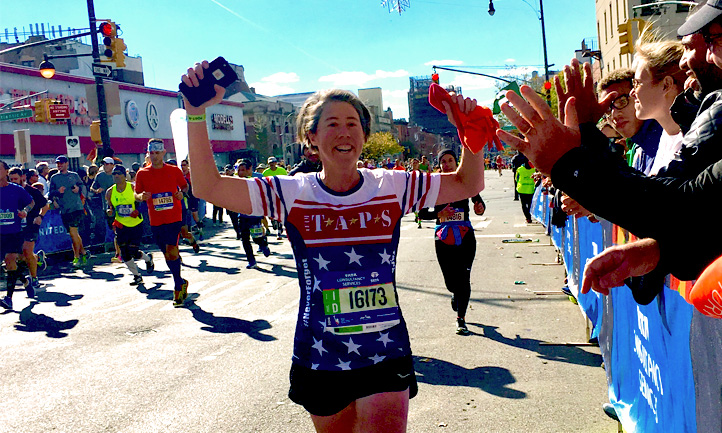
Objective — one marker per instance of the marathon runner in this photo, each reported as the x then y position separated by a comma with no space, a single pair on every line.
15,203
352,367
120,199
66,191
455,243
31,229
162,186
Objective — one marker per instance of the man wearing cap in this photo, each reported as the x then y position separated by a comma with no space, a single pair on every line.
274,170
15,203
122,208
162,186
66,192
310,163
103,181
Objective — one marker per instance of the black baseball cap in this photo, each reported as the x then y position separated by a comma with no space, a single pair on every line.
119,169
61,159
702,18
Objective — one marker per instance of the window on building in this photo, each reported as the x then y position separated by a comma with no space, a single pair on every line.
606,35
29,63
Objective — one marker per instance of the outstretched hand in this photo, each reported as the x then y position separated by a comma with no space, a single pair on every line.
610,268
192,79
546,138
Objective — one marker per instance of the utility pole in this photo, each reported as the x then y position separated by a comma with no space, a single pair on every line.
99,89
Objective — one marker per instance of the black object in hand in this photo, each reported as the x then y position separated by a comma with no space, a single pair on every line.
218,72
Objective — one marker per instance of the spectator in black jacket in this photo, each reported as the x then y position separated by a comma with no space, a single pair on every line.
677,213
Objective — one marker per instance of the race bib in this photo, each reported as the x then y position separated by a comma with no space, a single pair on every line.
457,216
7,218
124,210
257,231
162,201
360,302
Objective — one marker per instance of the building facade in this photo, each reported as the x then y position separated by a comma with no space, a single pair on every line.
665,19
144,114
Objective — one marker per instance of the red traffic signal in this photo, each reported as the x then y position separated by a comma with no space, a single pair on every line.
108,29
435,78
547,85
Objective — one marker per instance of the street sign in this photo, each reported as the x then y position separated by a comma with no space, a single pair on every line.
58,111
102,70
16,114
72,144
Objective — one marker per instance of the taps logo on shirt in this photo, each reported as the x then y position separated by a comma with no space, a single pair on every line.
324,225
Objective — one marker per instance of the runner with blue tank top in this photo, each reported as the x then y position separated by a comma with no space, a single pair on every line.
351,365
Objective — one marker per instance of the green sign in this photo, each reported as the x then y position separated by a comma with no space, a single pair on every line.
16,114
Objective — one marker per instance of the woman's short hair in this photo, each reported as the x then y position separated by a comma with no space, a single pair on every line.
310,114
662,58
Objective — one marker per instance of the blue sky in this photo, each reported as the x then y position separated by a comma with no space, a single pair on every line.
306,45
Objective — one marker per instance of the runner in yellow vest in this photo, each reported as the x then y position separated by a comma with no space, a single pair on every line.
121,200
525,186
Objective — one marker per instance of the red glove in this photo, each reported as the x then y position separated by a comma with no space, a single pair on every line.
706,294
476,129
135,213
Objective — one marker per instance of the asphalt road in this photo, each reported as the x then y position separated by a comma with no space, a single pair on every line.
93,354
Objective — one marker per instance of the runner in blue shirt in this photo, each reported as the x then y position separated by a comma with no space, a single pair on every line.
15,203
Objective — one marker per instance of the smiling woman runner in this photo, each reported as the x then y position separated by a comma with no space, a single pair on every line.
351,365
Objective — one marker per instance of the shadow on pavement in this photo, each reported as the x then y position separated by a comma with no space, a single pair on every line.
60,299
229,325
569,354
203,266
30,322
494,380
279,270
153,294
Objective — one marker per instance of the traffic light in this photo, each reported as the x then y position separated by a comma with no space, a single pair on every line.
118,46
114,46
41,111
95,131
626,38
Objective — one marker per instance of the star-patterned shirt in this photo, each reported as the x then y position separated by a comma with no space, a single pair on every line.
345,249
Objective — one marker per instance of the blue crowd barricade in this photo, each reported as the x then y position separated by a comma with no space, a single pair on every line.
94,230
662,360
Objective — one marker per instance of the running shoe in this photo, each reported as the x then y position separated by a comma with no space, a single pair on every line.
149,265
36,285
116,259
196,247
253,265
137,280
29,289
42,263
179,296
266,251
6,303
84,260
461,328
76,263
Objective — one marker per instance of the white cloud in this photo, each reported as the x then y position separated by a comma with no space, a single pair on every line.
282,77
472,82
444,63
359,79
271,89
510,61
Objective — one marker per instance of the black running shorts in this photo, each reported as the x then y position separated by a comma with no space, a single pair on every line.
324,393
